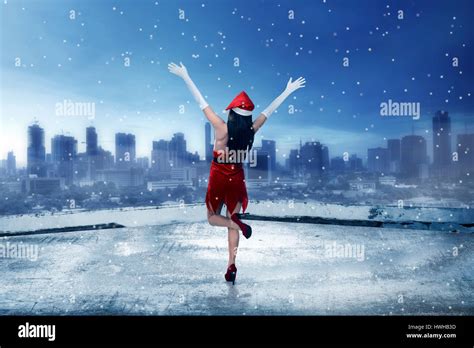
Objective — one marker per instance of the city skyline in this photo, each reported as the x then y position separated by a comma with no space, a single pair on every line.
208,135
379,159
171,166
77,56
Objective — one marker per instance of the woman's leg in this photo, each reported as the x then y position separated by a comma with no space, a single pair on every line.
215,219
233,237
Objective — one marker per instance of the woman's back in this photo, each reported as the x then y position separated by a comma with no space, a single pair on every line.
221,136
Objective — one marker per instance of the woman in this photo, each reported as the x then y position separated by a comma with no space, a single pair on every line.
226,179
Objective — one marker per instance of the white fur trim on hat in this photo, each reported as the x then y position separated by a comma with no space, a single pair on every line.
242,112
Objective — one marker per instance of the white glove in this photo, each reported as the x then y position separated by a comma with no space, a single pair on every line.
181,71
291,86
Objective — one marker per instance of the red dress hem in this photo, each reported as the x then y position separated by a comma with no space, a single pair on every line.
226,186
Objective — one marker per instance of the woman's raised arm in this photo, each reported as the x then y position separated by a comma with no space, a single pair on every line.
181,71
291,86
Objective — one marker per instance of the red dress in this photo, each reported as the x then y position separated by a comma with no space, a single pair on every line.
226,186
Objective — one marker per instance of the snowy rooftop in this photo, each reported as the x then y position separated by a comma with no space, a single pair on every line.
163,267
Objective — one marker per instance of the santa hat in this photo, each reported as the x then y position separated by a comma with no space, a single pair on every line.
242,104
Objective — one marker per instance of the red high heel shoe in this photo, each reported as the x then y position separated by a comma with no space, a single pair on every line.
231,274
246,229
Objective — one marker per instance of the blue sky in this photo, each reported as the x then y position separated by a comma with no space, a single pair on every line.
82,60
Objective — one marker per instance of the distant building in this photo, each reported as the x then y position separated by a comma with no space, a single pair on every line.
3,167
325,159
36,156
465,150
92,152
170,155
362,186
338,165
11,164
387,180
143,162
184,174
355,163
82,170
442,157
394,155
34,184
377,160
104,160
192,158
160,161
311,154
202,169
63,152
177,150
414,158
261,170
122,177
294,162
92,147
13,186
167,184
125,150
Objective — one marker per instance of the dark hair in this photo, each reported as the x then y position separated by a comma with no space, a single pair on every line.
240,131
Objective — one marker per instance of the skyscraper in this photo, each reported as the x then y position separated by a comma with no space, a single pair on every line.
36,151
160,158
63,152
177,150
104,159
441,140
92,153
261,171
377,160
294,162
414,156
325,154
11,163
394,150
91,142
355,163
124,150
311,154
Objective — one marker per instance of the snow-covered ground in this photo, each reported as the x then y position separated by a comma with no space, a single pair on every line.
168,260
146,216
285,268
